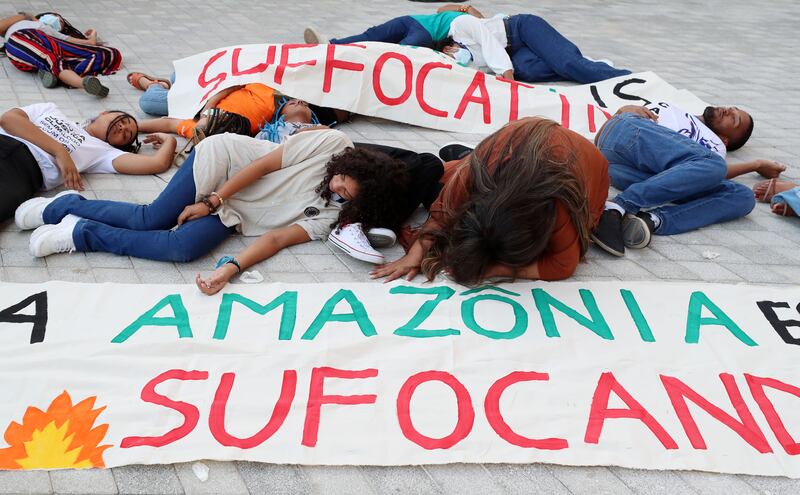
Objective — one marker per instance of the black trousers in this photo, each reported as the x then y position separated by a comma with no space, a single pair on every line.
20,175
424,171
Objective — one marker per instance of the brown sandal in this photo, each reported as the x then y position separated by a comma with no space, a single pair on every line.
135,79
769,192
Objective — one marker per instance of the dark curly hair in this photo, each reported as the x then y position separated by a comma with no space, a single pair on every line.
382,185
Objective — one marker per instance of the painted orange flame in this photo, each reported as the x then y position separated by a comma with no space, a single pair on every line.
64,436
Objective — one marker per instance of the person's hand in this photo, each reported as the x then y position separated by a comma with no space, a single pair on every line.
450,49
193,212
91,36
508,75
217,280
408,265
638,110
158,139
72,178
769,169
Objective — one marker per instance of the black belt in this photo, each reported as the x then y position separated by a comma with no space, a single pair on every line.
508,34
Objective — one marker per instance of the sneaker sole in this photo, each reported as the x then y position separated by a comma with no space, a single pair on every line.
359,255
380,240
631,226
606,247
21,214
93,86
49,80
311,36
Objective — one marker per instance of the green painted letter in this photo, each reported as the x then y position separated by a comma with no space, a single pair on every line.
410,329
520,317
596,322
180,319
358,315
694,319
288,316
638,317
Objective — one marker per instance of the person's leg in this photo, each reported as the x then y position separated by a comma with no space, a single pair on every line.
186,243
19,174
160,214
154,101
670,167
560,54
70,78
529,67
163,124
391,31
728,201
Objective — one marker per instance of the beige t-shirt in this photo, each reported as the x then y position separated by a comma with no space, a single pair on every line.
278,199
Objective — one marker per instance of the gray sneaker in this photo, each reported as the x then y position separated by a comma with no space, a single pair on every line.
312,36
49,80
637,230
93,86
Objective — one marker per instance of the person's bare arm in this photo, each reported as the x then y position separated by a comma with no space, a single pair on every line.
468,9
11,20
765,168
638,110
16,123
212,102
263,248
133,164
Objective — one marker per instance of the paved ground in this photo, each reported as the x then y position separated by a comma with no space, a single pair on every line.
725,51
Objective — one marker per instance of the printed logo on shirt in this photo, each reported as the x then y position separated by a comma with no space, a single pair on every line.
65,132
311,211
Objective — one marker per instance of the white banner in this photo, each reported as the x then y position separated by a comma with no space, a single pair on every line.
412,85
643,375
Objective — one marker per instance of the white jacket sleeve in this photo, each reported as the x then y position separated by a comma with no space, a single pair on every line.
471,30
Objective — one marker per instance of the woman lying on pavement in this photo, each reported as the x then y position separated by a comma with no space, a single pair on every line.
286,194
521,205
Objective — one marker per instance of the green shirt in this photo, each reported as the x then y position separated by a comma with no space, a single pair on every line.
438,25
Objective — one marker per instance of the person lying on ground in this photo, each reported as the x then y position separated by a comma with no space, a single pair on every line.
283,194
49,45
782,195
42,149
521,205
524,47
671,168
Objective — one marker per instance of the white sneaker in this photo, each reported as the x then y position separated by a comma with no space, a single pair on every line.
312,36
29,214
51,239
381,238
351,239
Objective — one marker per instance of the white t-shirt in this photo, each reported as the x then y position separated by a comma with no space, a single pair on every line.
34,25
686,124
89,153
485,39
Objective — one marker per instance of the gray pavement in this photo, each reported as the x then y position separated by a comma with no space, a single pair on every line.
725,51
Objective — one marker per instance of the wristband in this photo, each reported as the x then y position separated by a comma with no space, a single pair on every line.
229,259
221,201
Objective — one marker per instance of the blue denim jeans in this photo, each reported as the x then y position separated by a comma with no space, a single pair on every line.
654,166
154,99
143,230
540,53
400,30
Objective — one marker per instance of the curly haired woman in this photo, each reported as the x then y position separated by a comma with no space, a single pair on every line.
522,205
286,194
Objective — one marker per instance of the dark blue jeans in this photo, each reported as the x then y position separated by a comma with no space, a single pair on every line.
540,53
400,30
143,230
653,166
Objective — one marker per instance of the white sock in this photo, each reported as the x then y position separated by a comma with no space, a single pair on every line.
610,205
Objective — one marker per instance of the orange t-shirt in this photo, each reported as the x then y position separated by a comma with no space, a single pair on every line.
255,101
561,257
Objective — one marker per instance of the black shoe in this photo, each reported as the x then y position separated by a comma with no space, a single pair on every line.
454,151
637,230
608,234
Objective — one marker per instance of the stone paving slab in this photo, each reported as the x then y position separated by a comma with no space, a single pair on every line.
725,51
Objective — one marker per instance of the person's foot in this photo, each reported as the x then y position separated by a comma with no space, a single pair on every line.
93,86
312,36
49,80
454,151
637,230
608,234
29,214
142,81
766,189
381,238
51,239
351,239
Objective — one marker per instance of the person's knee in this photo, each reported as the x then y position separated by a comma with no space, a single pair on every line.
743,198
152,102
716,166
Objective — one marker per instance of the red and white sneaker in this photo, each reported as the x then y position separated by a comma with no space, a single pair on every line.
352,240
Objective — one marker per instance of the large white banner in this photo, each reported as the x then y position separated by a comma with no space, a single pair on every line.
411,85
643,375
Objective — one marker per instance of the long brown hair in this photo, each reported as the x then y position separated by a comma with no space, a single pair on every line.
515,179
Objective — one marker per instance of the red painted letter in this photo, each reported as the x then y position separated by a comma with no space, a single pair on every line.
423,73
216,418
499,425
757,384
190,413
317,397
376,78
478,83
466,414
513,112
590,116
284,63
564,112
332,63
600,412
201,79
235,71
747,428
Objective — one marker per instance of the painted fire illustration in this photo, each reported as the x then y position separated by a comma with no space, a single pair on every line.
64,436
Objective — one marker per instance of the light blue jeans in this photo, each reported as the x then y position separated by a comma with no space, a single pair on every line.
654,166
790,197
154,99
